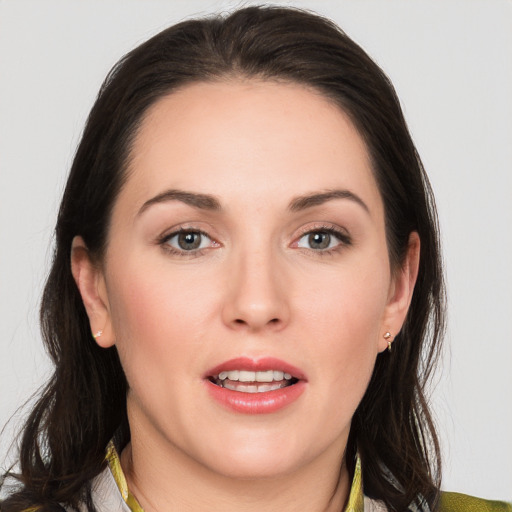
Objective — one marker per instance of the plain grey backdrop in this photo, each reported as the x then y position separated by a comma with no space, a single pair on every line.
451,63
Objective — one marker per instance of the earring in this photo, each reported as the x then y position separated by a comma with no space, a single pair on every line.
387,337
97,335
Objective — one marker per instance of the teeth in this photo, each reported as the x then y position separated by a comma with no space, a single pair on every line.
247,376
267,376
253,388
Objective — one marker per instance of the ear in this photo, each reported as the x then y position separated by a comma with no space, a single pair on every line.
400,292
91,284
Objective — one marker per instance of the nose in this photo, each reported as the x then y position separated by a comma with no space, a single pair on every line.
256,294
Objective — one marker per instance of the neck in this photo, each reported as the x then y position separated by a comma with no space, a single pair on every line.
172,480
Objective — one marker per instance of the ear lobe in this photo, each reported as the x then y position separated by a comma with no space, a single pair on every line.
91,285
401,291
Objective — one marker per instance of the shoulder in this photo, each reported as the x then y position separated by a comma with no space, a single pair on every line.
456,502
450,502
105,495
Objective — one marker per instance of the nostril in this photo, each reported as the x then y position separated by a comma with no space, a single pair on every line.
272,321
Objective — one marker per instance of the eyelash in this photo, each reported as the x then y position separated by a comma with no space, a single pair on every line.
164,242
343,238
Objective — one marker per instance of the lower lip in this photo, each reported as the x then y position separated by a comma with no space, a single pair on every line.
256,403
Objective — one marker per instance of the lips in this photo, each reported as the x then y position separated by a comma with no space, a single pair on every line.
255,386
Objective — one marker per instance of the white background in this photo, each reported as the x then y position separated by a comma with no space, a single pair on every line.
451,63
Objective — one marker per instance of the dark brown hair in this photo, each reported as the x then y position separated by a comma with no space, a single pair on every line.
84,404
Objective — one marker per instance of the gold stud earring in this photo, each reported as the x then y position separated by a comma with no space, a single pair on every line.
97,335
387,337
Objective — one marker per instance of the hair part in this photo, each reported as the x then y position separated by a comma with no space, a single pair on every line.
84,404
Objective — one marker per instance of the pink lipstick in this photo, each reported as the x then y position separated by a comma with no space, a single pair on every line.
251,386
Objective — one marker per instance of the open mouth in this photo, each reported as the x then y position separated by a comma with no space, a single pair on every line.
246,381
250,385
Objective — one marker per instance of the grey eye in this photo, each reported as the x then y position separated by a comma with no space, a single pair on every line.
189,240
318,240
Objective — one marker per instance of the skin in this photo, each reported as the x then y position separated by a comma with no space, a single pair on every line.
256,288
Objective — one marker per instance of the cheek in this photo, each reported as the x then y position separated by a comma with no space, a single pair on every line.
343,318
347,304
159,317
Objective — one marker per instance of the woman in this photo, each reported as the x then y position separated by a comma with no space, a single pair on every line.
249,235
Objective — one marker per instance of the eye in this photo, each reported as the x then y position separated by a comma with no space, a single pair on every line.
187,240
322,240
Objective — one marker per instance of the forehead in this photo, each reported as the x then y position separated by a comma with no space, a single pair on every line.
234,138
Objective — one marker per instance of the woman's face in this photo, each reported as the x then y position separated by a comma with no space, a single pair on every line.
249,237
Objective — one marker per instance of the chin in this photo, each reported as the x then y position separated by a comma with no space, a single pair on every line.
260,469
251,460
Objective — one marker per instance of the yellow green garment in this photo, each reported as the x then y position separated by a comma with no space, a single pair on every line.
357,502
110,493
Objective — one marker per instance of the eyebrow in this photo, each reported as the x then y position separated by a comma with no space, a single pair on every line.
316,199
211,203
201,201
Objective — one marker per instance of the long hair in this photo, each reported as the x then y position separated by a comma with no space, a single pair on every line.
84,404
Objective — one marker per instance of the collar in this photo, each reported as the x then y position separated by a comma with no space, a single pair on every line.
355,500
117,472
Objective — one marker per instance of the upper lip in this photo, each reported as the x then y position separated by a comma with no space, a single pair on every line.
257,364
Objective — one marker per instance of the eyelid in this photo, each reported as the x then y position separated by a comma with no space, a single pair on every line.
323,226
163,240
341,234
